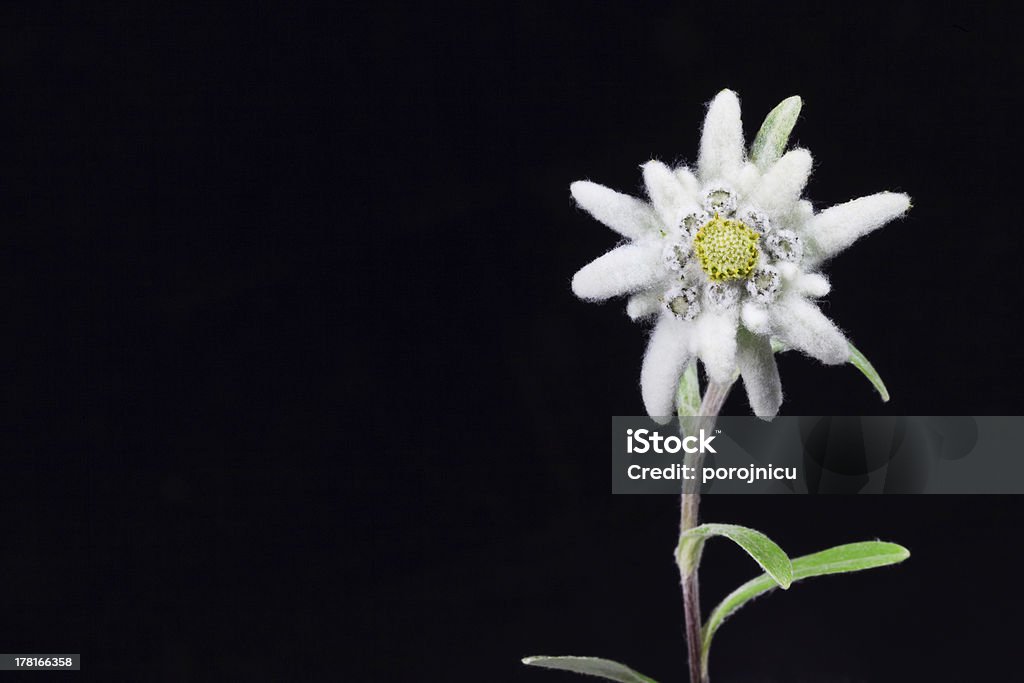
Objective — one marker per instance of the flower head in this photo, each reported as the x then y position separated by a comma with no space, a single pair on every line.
726,257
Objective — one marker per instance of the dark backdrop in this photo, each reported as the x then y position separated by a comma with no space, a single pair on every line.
295,388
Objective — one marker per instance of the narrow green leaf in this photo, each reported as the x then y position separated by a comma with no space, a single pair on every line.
688,398
771,140
860,361
851,557
763,549
591,666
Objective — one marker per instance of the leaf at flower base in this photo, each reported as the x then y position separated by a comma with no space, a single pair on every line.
852,557
688,398
771,140
860,361
763,549
591,666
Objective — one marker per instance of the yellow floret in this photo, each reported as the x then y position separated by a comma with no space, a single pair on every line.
727,249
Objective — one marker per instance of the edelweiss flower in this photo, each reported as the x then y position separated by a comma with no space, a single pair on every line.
727,258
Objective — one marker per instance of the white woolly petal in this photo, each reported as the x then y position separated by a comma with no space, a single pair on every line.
813,284
625,269
689,182
626,215
755,317
747,178
716,343
643,305
802,212
760,374
800,325
721,144
666,358
789,271
836,228
667,194
781,185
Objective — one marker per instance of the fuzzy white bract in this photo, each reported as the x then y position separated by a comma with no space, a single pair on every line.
726,257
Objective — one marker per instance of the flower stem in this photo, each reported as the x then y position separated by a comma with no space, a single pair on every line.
689,550
691,589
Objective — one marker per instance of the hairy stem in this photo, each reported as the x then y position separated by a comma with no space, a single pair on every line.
691,588
689,550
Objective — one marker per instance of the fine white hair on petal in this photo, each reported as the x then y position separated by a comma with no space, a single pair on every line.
716,343
667,194
721,142
755,317
838,227
689,182
643,305
781,185
802,212
622,270
628,216
800,325
788,270
666,357
813,284
747,178
760,374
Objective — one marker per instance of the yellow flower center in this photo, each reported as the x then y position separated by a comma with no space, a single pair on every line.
727,249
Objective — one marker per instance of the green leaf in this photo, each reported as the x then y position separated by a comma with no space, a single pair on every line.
688,398
852,557
591,666
860,361
763,549
771,140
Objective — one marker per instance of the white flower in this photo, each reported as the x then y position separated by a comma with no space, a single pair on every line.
727,258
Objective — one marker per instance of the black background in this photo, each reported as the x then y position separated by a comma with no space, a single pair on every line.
295,387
